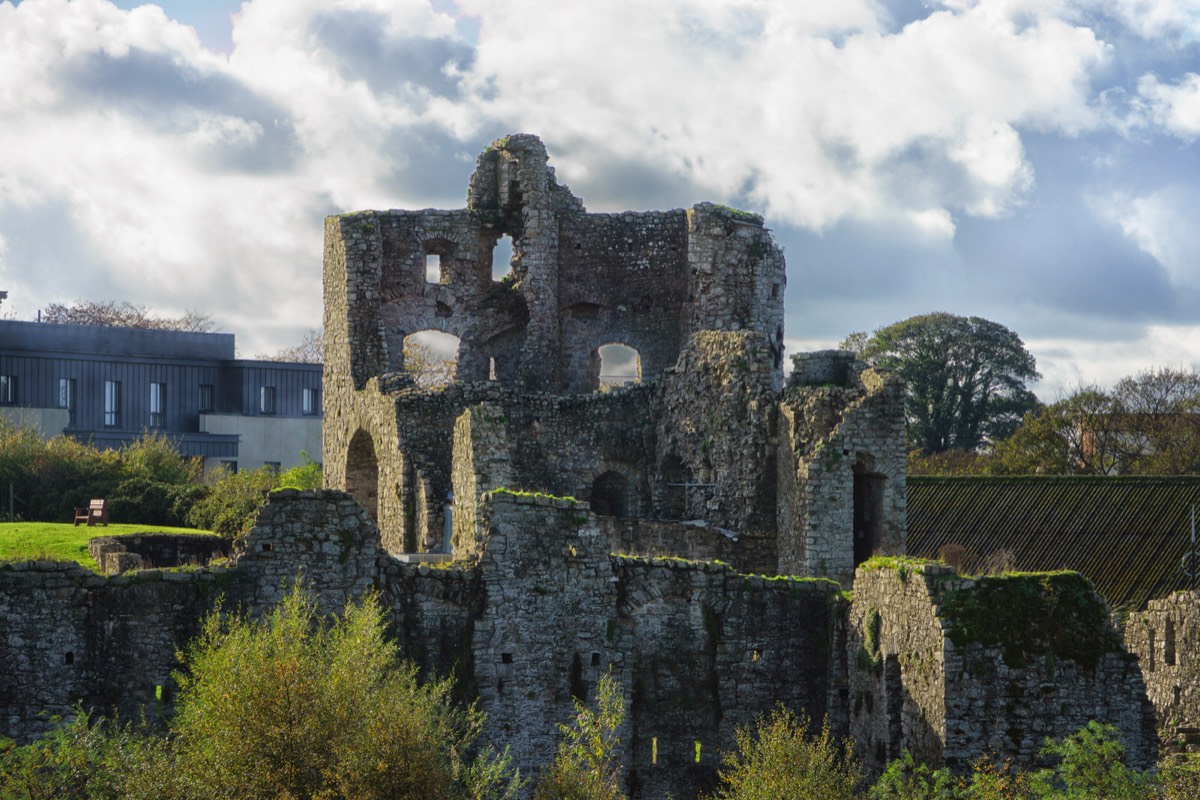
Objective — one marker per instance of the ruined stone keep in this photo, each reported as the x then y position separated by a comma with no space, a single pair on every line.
805,480
528,531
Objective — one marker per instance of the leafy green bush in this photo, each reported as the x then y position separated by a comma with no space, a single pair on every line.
779,758
1090,763
585,765
85,758
292,707
229,506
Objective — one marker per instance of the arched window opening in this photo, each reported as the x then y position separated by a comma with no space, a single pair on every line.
433,268
615,365
431,357
610,495
502,257
362,473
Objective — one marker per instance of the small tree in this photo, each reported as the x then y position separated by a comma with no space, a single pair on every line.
291,706
779,758
586,764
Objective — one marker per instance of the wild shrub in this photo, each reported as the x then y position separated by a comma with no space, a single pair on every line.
780,758
586,764
229,506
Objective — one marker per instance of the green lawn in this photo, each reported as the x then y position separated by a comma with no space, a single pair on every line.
61,541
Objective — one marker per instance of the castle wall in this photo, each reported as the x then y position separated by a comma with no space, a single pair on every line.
715,431
1166,640
913,687
842,468
70,637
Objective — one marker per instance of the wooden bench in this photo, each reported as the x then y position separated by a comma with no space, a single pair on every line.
96,512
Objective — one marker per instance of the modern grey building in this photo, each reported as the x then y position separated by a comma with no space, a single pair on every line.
108,385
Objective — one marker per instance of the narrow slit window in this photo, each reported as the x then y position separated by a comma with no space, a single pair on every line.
654,750
433,268
8,390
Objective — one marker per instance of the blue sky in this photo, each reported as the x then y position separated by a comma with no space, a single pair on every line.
1030,161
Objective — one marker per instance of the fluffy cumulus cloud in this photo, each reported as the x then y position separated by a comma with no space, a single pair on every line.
910,154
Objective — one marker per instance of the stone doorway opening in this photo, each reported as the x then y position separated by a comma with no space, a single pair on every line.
362,472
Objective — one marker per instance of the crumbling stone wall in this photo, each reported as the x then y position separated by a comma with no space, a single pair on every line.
69,636
841,483
115,554
913,687
716,454
697,648
1166,640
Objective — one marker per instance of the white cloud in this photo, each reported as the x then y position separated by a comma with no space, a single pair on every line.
756,96
1173,107
1162,225
1157,19
1067,363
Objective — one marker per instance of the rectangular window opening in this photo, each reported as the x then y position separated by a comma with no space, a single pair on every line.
266,400
274,466
208,397
653,750
308,402
433,268
697,751
506,658
8,390
112,404
66,397
230,466
158,403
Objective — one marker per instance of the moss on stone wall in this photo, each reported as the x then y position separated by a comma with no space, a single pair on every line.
1032,615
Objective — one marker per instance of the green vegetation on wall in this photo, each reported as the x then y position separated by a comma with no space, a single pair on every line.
1030,615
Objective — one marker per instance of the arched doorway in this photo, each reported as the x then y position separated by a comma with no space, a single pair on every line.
362,472
610,495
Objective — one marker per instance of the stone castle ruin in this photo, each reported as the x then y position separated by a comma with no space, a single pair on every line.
528,530
806,481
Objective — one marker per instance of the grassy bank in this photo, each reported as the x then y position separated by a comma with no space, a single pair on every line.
55,541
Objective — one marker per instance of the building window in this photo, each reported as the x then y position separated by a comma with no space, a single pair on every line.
308,402
66,397
8,390
208,398
158,402
230,467
112,404
266,400
274,466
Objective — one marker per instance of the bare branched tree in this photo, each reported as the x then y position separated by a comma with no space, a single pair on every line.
124,315
311,350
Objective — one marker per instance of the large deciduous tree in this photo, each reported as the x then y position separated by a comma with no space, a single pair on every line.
966,378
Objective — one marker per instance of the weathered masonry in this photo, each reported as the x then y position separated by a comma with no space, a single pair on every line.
546,607
806,479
